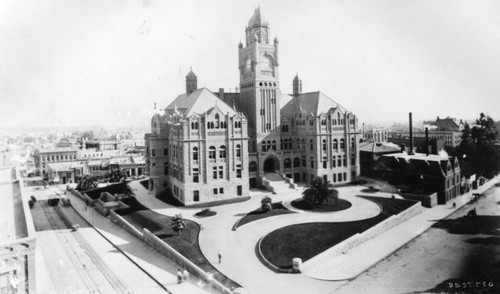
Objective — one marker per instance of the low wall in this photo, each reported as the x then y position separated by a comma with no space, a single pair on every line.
426,200
120,221
156,243
165,249
371,233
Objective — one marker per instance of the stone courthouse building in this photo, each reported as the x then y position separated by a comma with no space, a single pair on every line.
213,146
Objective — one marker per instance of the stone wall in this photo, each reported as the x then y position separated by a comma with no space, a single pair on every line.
115,218
371,233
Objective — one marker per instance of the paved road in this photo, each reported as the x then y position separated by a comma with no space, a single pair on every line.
458,249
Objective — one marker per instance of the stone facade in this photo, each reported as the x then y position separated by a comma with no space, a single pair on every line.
208,147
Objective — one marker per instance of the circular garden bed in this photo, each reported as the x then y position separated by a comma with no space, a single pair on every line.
340,204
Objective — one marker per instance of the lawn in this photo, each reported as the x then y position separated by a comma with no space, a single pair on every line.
304,205
310,239
278,209
186,244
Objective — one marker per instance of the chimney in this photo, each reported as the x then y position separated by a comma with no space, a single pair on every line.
410,152
221,94
427,141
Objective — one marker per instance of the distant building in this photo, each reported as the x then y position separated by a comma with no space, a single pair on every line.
375,135
45,156
422,173
17,236
370,152
66,172
433,145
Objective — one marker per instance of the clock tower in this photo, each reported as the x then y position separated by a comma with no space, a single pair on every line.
259,80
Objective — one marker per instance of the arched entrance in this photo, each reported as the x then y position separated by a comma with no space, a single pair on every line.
271,164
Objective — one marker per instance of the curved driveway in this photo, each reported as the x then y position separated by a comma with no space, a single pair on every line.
239,261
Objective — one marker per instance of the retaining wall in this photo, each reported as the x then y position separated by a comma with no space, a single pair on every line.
120,221
371,233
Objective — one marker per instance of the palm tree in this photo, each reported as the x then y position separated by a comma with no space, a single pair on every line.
319,192
117,175
86,183
178,224
265,204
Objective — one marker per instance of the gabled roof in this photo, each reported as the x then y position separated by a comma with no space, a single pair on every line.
379,147
199,101
314,103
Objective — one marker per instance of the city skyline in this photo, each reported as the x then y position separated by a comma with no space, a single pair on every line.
107,63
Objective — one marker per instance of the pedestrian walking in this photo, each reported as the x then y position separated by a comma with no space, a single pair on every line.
220,256
185,275
179,276
454,205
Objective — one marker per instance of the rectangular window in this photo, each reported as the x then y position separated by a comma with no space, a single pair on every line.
195,177
340,177
165,151
214,173
334,178
165,170
345,176
239,190
325,178
324,164
339,162
221,172
196,196
153,152
221,190
238,173
215,191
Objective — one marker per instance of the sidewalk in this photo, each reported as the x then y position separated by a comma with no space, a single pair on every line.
157,265
364,256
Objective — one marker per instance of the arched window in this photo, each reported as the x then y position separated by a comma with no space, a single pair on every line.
211,152
192,125
342,144
335,145
252,166
263,146
274,145
195,153
238,150
211,124
296,162
222,151
287,163
268,145
208,125
217,121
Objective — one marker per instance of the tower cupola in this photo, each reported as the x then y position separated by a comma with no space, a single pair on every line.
297,86
191,82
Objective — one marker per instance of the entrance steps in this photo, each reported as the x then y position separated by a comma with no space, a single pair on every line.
277,183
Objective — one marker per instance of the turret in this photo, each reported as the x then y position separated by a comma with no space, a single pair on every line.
297,86
191,82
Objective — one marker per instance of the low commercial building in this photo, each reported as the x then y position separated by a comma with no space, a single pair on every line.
66,172
421,173
370,152
54,155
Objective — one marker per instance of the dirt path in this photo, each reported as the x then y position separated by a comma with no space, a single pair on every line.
454,251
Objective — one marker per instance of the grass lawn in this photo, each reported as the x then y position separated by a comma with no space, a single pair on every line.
310,239
278,209
304,205
167,197
186,244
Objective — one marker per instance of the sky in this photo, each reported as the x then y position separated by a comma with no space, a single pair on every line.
107,62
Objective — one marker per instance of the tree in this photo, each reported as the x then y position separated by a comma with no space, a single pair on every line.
477,152
117,175
319,192
86,183
265,204
178,224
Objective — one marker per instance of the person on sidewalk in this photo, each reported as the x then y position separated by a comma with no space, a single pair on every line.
219,255
185,275
179,276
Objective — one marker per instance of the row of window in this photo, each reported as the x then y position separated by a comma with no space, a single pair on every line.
287,144
58,157
216,191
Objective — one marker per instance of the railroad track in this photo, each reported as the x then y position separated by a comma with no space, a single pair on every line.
93,271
